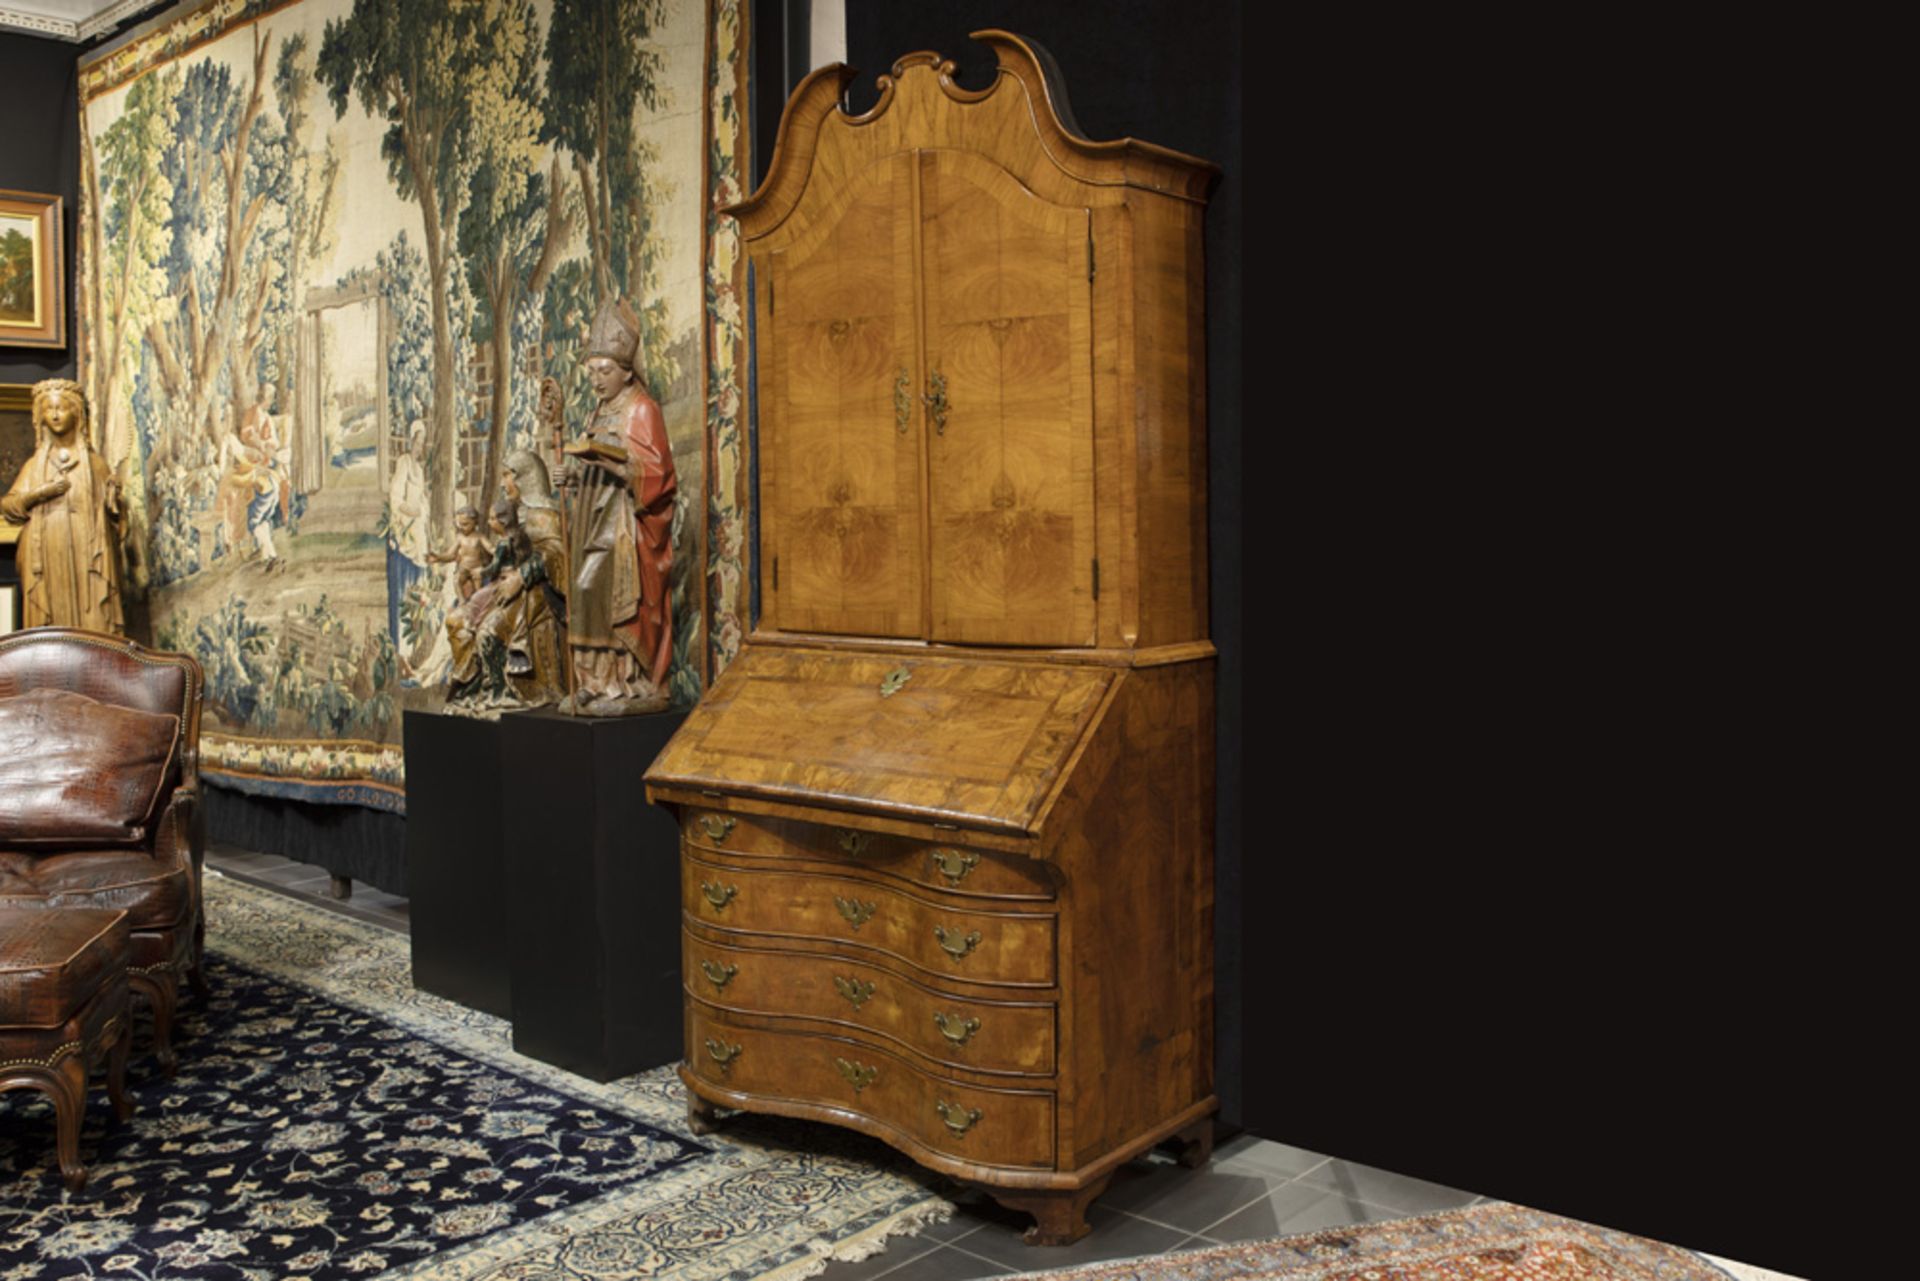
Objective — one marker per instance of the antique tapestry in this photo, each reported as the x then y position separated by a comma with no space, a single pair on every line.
329,251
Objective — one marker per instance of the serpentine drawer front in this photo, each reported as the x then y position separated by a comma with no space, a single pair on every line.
964,1122
874,1000
950,867
870,919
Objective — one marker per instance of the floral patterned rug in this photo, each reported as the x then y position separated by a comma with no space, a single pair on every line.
328,1121
1489,1242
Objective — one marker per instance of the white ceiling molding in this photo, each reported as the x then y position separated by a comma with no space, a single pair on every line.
113,15
40,24
69,20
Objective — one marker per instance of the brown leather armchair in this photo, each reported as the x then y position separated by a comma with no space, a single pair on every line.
98,807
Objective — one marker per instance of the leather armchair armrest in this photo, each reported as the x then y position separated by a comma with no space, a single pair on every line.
175,827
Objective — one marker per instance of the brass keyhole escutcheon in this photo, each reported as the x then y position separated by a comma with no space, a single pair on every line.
903,401
953,944
719,975
854,843
956,1119
856,992
718,895
894,681
856,912
716,828
954,864
722,1054
937,401
954,1028
859,1075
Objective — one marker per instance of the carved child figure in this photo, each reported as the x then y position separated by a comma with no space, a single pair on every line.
471,552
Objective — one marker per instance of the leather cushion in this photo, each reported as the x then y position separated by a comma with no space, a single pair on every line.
75,771
51,963
155,895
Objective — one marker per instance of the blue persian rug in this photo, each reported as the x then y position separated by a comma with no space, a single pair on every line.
330,1122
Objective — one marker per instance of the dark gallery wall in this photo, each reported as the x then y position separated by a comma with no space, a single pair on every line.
1456,948
41,153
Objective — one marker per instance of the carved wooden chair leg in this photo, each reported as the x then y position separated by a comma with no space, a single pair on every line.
1196,1144
67,1083
1059,1218
117,1068
157,984
702,1116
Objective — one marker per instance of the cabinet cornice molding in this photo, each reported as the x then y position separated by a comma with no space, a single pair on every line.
920,105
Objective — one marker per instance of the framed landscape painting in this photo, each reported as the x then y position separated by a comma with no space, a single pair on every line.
33,290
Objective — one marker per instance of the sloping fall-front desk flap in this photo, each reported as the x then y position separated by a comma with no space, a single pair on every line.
978,743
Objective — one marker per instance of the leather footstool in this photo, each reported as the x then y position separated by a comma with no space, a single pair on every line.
63,1009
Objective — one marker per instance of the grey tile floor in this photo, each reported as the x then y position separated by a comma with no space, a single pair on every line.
1252,1188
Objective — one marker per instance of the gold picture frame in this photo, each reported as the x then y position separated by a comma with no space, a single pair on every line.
16,444
33,270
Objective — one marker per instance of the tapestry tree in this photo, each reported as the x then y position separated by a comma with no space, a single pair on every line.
416,66
515,223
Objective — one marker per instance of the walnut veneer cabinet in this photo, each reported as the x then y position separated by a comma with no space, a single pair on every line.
947,821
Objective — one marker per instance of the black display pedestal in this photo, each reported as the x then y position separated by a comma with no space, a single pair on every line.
593,879
456,893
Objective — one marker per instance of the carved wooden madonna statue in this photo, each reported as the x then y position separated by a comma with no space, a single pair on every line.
69,501
947,822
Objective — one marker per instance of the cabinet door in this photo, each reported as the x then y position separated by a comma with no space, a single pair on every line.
1009,344
841,480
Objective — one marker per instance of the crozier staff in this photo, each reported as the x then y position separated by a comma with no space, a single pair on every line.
619,619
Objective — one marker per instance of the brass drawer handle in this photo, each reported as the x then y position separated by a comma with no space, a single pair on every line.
954,864
903,401
954,1028
948,1112
718,895
954,945
858,1074
852,842
719,975
723,1054
854,990
716,828
937,400
856,912
894,681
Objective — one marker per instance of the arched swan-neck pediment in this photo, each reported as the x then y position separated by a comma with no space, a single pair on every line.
1022,116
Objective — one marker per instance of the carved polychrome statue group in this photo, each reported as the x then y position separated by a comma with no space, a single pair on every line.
561,598
565,600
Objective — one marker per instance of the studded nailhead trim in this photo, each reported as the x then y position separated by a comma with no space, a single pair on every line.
52,1060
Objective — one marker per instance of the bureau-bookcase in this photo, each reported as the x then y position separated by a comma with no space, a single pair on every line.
946,822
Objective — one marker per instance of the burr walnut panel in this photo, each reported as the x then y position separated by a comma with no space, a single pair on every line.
916,1109
980,743
862,917
966,1033
1008,328
843,471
